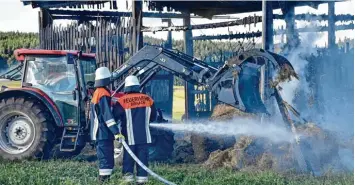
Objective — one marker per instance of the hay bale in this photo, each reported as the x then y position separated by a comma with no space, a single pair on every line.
318,146
199,147
203,146
218,159
183,152
223,112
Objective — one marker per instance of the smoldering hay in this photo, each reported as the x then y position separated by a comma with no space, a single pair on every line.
319,147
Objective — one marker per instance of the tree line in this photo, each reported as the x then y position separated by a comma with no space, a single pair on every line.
9,41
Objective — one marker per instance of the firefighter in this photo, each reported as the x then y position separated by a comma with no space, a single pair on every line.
135,110
104,129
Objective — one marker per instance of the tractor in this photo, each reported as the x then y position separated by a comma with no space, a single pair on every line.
52,105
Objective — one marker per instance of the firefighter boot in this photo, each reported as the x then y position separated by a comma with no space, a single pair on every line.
103,178
128,178
141,180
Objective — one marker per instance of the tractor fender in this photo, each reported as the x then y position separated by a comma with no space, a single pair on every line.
36,94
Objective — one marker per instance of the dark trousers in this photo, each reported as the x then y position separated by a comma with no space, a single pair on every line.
105,155
141,151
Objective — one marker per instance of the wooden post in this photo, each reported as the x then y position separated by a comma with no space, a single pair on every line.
291,36
169,41
137,14
44,20
267,33
169,45
268,44
188,47
331,25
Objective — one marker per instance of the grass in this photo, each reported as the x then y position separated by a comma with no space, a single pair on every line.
11,84
178,102
80,172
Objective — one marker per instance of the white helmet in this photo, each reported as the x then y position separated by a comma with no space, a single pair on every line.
102,77
131,84
131,81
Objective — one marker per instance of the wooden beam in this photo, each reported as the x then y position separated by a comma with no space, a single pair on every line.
188,47
292,39
137,39
331,25
267,32
276,32
115,13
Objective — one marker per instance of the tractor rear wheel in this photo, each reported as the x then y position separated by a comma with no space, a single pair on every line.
26,129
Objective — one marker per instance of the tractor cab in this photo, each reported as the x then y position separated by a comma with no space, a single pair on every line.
62,76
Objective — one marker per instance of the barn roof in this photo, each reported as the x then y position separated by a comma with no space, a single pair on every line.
210,8
202,8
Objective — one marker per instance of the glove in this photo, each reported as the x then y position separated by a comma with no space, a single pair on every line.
119,137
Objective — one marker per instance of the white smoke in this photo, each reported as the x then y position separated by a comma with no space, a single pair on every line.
296,57
336,95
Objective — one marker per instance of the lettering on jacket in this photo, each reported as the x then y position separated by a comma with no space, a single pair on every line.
131,101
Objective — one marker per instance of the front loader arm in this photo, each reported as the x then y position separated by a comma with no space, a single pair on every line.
236,83
181,65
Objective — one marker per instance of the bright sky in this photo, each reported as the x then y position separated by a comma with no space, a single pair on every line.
14,16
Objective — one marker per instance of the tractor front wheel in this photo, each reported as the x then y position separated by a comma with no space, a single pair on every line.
25,129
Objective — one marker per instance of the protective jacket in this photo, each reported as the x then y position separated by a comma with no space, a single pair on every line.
103,125
135,111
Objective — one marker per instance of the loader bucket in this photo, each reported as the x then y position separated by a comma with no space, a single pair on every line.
249,91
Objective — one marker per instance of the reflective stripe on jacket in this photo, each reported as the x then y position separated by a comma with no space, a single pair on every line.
135,111
103,125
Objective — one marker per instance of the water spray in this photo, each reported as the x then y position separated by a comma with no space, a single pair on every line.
236,127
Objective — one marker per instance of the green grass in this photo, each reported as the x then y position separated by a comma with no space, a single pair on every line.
75,172
11,84
178,102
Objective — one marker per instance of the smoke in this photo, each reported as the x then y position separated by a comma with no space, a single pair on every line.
297,58
236,127
333,90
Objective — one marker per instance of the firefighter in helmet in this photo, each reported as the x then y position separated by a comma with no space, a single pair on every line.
135,110
104,129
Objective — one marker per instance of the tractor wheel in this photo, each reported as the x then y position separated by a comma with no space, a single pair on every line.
26,129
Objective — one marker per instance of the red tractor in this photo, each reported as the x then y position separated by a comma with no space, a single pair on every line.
50,107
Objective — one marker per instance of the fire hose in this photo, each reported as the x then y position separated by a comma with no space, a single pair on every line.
135,158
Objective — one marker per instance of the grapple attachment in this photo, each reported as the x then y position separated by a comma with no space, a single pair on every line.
249,91
247,77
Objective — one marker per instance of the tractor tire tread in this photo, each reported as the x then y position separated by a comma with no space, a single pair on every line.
45,135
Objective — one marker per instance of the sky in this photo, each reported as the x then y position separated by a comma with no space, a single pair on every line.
16,17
